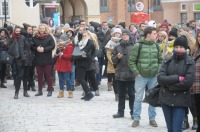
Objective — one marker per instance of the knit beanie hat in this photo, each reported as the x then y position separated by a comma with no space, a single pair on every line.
181,41
173,33
164,24
58,28
64,37
117,30
126,31
152,23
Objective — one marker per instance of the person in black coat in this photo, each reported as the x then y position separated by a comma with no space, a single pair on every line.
4,39
28,80
43,46
176,77
86,45
18,67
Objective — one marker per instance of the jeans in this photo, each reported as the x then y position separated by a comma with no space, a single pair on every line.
64,76
98,76
140,85
72,76
123,86
174,117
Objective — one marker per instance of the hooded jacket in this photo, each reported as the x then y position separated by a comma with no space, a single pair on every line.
148,62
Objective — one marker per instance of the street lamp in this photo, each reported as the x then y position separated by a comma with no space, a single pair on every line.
5,24
5,9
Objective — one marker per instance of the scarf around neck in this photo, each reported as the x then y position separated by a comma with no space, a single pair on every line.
83,43
104,31
41,36
113,43
15,36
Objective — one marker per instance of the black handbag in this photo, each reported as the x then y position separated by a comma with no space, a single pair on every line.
14,49
5,57
77,53
152,96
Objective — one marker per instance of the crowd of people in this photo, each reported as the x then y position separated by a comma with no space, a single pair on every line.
136,58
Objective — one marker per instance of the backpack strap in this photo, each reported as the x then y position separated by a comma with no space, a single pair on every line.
139,49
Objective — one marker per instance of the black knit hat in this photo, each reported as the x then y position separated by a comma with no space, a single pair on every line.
181,41
173,33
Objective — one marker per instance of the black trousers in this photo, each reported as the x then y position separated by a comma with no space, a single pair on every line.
2,71
22,74
111,78
197,106
80,75
192,108
31,81
123,86
91,77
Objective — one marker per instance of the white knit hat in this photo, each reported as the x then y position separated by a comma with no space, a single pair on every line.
152,23
117,30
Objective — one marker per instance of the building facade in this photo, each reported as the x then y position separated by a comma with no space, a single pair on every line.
18,12
175,11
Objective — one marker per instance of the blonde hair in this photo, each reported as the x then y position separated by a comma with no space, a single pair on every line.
165,35
190,39
47,29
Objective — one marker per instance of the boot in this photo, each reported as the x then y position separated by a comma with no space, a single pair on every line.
117,97
185,124
39,93
70,94
97,93
61,94
33,88
118,115
195,124
2,85
88,96
16,95
109,86
49,93
26,94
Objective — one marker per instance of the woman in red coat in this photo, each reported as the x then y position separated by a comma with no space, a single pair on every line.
64,65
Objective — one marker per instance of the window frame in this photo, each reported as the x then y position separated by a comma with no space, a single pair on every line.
182,21
195,15
185,7
157,7
2,16
132,8
104,7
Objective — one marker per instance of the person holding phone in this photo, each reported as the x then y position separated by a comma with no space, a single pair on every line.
123,74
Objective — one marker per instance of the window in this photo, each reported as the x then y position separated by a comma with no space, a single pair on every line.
156,5
197,16
104,6
131,6
30,3
183,7
2,9
184,18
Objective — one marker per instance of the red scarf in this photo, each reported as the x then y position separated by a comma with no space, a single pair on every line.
15,36
41,36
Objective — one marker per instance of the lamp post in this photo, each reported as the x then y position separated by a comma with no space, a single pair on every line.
5,10
5,24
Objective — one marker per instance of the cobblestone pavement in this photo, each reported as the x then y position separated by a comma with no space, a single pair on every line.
52,114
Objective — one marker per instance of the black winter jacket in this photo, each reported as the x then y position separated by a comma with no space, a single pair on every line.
86,61
175,92
123,72
46,56
29,54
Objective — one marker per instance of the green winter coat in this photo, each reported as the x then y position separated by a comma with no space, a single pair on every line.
148,62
